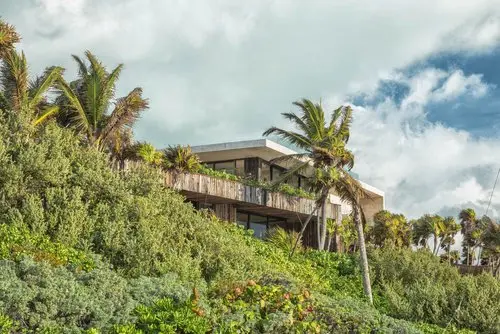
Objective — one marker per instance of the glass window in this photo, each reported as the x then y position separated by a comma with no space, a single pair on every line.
242,219
265,172
294,181
305,184
259,225
227,166
240,168
203,205
276,173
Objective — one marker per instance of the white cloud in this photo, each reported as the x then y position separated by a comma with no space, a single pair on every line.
424,166
225,69
457,84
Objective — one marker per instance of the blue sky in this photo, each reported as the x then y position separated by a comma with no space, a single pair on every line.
423,78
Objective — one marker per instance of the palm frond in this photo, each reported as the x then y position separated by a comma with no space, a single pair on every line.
345,124
79,120
8,37
14,79
39,87
299,123
82,67
127,111
48,112
296,169
294,138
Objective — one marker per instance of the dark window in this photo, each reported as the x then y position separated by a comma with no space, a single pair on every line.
227,166
242,219
265,172
259,225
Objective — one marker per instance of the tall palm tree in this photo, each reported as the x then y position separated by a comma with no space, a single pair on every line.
88,101
450,229
22,95
8,37
322,142
350,191
468,223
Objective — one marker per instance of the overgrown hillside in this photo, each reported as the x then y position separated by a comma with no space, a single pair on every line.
87,248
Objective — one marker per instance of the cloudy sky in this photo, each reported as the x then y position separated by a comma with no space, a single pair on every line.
423,77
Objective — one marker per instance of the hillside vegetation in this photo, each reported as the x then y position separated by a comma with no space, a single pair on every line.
90,248
87,248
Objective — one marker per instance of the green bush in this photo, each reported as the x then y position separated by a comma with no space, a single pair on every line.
17,242
416,286
42,297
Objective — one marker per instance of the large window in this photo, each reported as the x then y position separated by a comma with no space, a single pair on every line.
259,224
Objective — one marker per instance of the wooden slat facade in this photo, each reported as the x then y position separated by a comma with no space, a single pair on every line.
218,191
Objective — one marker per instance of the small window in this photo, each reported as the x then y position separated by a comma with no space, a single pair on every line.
259,225
265,172
227,166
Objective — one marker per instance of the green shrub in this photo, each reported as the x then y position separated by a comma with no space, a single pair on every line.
416,286
17,242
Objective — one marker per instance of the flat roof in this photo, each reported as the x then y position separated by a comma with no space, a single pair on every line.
243,144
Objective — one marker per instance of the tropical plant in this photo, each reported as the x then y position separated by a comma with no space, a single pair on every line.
323,143
350,191
86,103
148,153
181,159
283,239
347,232
390,229
450,230
8,37
23,96
467,219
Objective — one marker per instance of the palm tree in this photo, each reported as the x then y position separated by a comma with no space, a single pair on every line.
323,143
87,103
450,229
8,37
390,229
350,191
468,223
22,95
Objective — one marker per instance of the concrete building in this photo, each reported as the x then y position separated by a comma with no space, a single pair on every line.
252,206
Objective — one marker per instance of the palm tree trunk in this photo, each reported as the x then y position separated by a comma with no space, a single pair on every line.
303,229
449,258
329,243
322,233
365,270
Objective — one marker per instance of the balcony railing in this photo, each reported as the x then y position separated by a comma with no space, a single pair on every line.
234,191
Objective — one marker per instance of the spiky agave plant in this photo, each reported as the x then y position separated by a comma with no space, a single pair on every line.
181,159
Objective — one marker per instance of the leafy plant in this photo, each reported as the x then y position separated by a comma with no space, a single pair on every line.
181,159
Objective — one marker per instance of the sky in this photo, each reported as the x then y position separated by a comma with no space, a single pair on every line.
423,78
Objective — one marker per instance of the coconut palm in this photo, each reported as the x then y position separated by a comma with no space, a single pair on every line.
90,106
25,96
468,224
450,230
8,37
350,191
322,142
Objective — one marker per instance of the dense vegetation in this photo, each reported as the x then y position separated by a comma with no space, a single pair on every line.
87,248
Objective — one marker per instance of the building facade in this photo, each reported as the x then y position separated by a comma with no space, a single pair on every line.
252,206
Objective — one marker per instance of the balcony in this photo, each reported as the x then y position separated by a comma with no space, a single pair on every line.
199,187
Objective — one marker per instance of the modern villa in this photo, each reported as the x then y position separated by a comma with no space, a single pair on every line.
255,207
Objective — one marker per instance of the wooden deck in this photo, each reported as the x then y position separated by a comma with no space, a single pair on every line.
199,187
